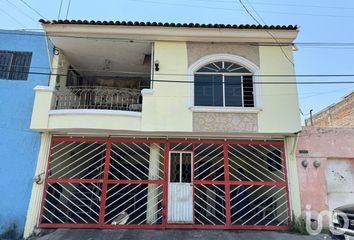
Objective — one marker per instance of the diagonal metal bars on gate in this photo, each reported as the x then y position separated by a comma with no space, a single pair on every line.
99,182
142,203
132,161
209,203
259,205
208,161
71,203
79,160
252,163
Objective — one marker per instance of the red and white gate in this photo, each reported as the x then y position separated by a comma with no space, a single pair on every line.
146,183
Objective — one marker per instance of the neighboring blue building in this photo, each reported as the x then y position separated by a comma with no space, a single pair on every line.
20,52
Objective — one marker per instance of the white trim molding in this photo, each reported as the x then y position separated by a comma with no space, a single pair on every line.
94,112
147,91
224,109
231,58
44,88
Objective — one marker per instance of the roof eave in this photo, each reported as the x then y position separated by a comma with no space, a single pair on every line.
170,33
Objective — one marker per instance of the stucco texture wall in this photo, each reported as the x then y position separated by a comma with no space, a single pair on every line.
322,144
199,50
18,144
166,109
279,102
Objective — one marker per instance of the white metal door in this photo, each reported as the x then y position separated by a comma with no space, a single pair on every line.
340,182
180,189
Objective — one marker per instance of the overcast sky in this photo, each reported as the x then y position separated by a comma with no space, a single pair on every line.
319,20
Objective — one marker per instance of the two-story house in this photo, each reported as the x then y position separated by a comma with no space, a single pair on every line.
164,125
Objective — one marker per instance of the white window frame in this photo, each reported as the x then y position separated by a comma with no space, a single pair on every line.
193,68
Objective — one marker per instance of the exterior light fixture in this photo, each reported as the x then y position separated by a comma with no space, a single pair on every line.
38,179
317,164
56,51
157,65
305,163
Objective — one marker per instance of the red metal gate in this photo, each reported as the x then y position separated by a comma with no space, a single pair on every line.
123,183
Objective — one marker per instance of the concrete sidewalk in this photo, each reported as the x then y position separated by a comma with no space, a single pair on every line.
96,234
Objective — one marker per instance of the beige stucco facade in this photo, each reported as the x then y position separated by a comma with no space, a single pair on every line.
167,106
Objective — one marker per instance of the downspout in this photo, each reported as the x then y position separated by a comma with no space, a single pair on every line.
294,177
295,142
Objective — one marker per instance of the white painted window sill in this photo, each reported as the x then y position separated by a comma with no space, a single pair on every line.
94,112
225,109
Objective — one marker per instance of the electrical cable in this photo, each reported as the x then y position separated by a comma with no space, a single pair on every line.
280,4
181,74
275,39
267,82
67,10
59,12
308,44
30,7
19,10
14,19
233,9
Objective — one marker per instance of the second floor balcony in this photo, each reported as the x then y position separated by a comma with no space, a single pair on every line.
94,86
98,97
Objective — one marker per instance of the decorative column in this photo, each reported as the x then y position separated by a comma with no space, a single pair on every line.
37,188
152,198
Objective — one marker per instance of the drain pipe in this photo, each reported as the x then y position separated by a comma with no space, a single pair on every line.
311,117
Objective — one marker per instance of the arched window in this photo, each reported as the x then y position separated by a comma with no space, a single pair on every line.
223,84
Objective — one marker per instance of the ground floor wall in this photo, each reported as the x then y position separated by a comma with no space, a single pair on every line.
160,183
325,163
37,187
19,151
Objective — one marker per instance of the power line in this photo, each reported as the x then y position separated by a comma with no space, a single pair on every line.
275,39
130,40
265,75
14,19
232,9
18,9
59,12
67,10
34,10
281,4
257,43
177,74
254,10
325,93
300,5
334,47
185,75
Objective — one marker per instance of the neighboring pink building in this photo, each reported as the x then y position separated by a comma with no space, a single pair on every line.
328,179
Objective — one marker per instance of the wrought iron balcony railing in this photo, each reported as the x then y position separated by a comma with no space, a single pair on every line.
95,97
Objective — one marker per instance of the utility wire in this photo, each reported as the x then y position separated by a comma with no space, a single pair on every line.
275,39
59,12
300,5
14,19
308,44
34,10
233,9
178,74
280,4
67,10
254,10
18,9
268,82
